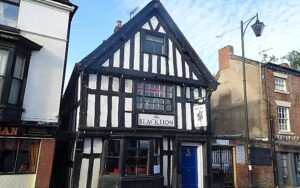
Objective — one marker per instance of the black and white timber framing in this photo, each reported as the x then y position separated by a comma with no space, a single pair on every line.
99,104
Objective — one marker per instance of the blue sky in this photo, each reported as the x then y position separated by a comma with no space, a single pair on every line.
208,25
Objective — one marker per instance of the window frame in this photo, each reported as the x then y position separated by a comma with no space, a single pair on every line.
278,86
153,111
284,117
9,2
157,34
17,156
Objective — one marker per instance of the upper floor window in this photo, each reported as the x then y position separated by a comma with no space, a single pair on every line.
9,10
154,96
154,43
283,118
280,84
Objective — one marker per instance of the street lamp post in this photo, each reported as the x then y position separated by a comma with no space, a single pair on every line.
257,28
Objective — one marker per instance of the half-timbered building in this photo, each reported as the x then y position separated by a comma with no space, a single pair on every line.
132,114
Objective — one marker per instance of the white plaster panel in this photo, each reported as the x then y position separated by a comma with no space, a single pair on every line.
79,88
178,91
92,81
106,63
146,62
165,143
187,70
128,104
136,59
179,116
117,59
161,29
104,82
154,22
154,63
128,120
128,86
44,80
103,111
196,93
203,92
163,65
146,26
171,60
18,180
91,110
87,145
195,77
165,169
83,172
50,21
188,92
115,112
96,170
115,85
126,54
179,63
188,116
97,145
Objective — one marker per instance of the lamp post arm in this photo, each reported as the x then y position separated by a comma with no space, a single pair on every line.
248,22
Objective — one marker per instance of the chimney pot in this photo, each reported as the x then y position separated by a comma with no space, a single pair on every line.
118,25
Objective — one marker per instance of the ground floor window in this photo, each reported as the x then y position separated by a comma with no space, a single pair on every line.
140,157
18,156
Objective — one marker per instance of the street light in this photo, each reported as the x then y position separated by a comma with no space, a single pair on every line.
258,29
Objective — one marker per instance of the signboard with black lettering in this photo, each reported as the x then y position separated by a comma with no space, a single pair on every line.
27,131
260,156
156,120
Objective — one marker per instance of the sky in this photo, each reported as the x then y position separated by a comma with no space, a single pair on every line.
207,24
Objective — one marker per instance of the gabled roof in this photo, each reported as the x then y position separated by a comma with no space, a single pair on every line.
154,5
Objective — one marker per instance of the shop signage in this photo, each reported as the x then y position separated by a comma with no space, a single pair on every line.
200,118
156,120
240,154
27,131
287,137
222,142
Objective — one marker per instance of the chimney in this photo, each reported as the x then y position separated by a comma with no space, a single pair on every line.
224,56
284,65
118,26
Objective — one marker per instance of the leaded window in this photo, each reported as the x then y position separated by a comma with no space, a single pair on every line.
283,118
154,96
9,10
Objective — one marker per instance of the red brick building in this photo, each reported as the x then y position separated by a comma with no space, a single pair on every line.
273,95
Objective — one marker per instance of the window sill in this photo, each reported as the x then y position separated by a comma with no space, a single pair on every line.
286,133
283,92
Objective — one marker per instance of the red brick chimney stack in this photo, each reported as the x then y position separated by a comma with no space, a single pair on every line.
224,56
118,26
284,65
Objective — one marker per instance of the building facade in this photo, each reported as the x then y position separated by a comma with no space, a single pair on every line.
273,95
33,46
132,114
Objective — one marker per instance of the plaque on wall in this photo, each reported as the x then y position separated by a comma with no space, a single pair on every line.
156,120
240,154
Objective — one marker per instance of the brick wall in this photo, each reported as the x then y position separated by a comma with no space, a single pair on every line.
224,57
45,163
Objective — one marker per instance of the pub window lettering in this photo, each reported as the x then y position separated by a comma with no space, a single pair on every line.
18,156
154,97
9,12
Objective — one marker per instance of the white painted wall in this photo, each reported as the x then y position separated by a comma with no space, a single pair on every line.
20,180
46,23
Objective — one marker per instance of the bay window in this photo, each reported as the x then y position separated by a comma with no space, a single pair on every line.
9,10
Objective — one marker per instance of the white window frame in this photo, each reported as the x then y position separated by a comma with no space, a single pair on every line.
278,86
283,127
